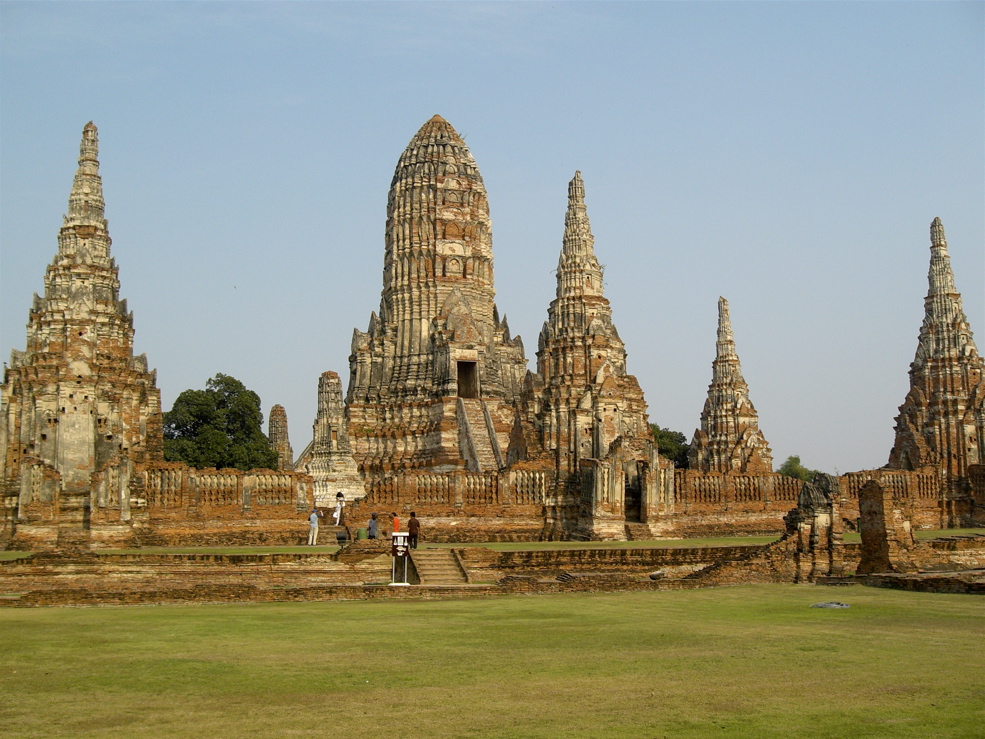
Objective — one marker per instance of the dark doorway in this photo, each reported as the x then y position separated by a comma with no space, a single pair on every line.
468,380
634,495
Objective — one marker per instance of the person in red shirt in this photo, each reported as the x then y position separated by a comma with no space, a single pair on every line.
395,521
413,529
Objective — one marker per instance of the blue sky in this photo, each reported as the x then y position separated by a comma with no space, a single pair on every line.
788,156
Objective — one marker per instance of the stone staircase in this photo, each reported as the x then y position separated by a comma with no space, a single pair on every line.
71,537
478,434
638,532
438,567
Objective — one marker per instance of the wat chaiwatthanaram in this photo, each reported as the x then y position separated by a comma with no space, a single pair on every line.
442,412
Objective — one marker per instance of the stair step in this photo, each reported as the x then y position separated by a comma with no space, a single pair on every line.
476,417
638,532
438,567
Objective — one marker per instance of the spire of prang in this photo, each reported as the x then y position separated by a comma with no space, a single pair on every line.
726,367
579,271
945,328
580,356
577,230
86,206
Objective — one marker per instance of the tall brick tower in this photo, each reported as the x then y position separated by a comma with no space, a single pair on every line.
589,400
589,413
433,380
280,440
78,407
729,439
942,421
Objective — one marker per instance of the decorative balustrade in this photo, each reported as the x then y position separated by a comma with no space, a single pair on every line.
695,488
480,490
176,487
276,489
433,490
531,487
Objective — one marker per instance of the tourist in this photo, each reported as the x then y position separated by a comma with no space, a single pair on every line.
313,529
339,505
413,529
373,527
396,523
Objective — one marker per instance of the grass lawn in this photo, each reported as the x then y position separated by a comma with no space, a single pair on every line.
750,661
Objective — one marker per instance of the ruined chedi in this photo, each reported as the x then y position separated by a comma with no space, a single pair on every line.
942,421
79,409
587,399
328,458
433,380
279,439
729,439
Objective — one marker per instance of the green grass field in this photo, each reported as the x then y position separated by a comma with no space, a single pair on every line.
750,661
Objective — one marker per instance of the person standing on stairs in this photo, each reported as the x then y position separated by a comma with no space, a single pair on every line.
313,527
339,505
413,529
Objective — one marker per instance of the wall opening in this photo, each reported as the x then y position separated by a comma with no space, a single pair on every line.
468,380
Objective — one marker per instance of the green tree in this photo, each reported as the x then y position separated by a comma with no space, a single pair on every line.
218,427
671,444
793,468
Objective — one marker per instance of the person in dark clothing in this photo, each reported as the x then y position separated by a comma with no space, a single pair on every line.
414,529
373,527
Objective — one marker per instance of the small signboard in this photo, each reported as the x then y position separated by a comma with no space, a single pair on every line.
400,551
399,547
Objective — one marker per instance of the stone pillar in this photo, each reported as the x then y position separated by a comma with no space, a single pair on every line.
886,534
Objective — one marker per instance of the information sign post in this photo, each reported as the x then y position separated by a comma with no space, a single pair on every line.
399,551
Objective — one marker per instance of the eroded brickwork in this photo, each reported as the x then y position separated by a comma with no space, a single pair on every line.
887,536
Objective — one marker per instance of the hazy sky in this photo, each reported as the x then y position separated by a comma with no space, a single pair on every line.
788,156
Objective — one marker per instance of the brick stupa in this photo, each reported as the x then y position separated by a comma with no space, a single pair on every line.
79,409
941,423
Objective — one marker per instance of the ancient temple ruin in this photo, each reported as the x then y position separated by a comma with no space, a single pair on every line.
79,409
434,380
81,431
729,439
941,423
441,413
441,408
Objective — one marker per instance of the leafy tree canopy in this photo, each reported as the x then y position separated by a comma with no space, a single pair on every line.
671,444
218,427
793,468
